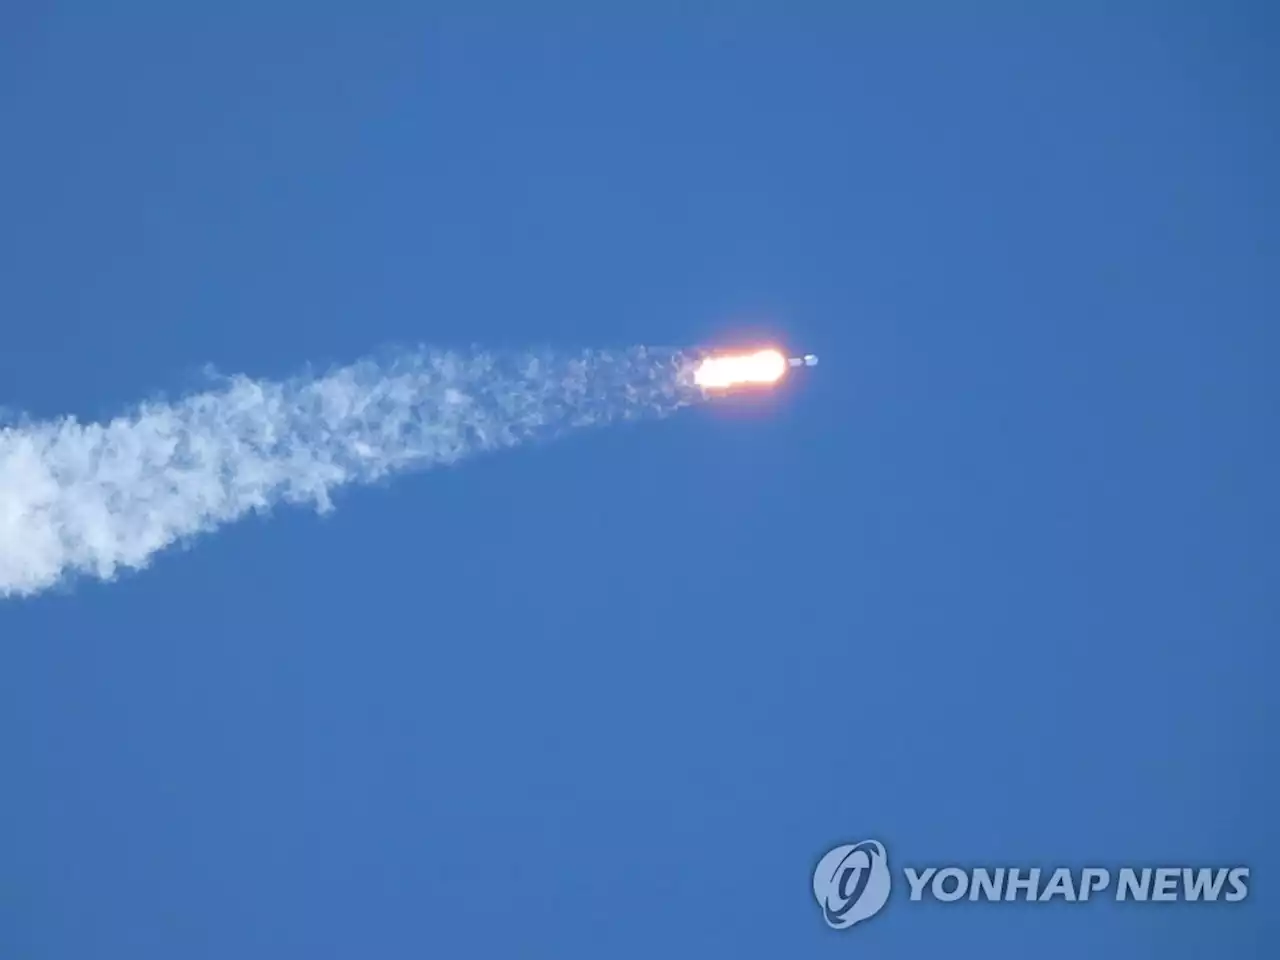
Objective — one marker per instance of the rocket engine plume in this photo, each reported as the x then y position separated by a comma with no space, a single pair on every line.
98,498
726,371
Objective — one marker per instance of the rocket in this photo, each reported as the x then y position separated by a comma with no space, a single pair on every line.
735,371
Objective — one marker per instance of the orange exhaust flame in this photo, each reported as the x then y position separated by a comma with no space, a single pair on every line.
736,370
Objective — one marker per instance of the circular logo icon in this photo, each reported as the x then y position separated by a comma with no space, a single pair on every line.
851,883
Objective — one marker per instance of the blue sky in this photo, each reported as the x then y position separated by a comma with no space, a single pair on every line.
997,584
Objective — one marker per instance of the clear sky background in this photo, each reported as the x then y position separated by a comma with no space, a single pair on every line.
997,583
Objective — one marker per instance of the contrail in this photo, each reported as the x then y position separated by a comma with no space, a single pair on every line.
97,498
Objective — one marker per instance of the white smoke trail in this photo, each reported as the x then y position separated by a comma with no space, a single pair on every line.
97,498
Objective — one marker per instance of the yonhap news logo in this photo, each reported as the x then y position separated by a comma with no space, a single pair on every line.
852,882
